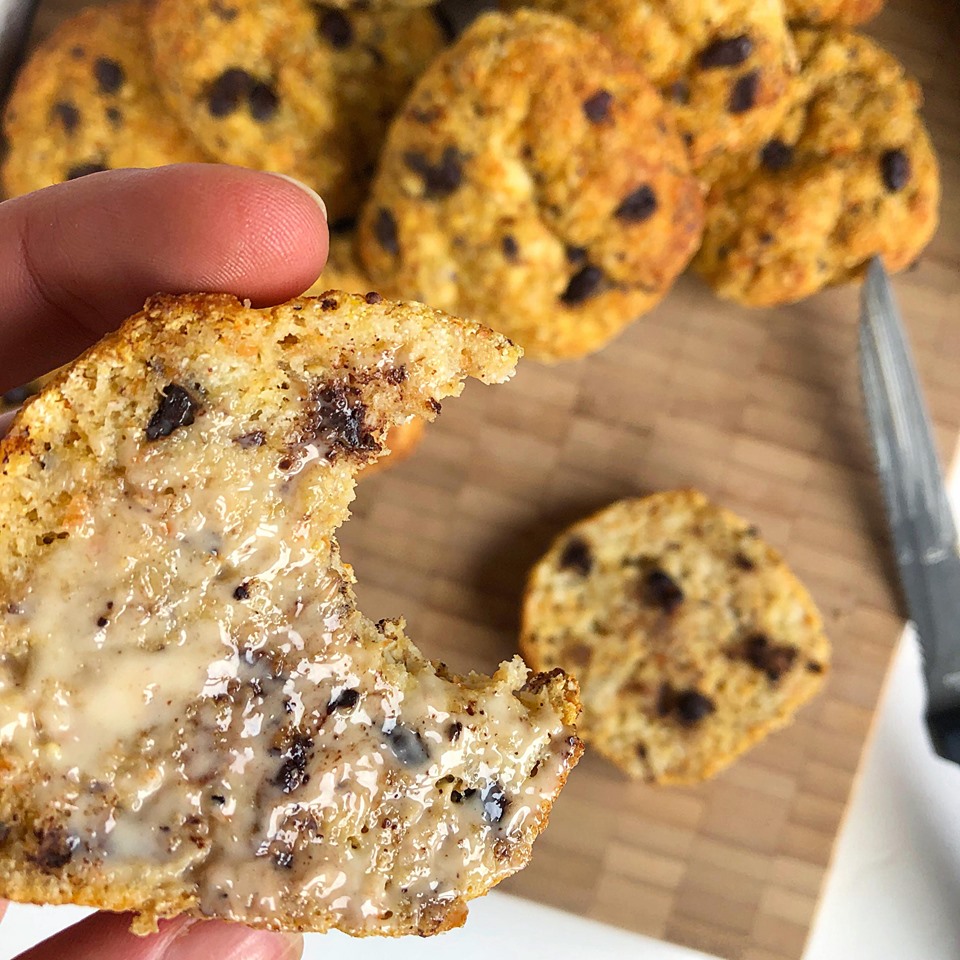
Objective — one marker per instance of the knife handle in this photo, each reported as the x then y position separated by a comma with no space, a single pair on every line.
944,729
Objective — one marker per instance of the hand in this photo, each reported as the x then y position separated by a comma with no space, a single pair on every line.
75,260
79,257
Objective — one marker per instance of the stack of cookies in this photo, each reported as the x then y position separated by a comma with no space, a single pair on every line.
551,173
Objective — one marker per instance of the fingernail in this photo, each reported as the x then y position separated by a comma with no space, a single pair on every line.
232,941
317,199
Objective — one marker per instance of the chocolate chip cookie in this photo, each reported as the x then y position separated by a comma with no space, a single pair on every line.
724,67
86,101
291,86
690,637
535,180
850,173
197,717
836,12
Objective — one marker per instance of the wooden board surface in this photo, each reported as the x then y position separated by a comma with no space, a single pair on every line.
760,410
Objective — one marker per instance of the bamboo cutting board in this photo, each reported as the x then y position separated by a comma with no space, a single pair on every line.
761,410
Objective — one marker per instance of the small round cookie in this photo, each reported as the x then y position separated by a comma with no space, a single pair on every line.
849,174
343,272
690,637
87,101
724,66
533,179
291,86
839,13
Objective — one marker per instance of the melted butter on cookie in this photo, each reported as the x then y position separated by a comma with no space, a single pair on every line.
205,694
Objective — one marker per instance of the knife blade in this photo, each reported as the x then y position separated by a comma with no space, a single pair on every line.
16,18
918,511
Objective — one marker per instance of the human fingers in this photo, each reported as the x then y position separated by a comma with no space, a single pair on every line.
106,936
78,257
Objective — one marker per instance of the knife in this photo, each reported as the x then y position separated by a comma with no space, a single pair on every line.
921,523
16,18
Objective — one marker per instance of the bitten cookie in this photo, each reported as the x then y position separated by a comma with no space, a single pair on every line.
831,12
533,180
690,637
723,66
196,717
343,272
849,174
290,86
86,101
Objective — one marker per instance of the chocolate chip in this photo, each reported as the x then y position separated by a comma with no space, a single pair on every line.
692,706
454,731
637,206
743,95
225,94
226,14
335,27
114,115
428,115
373,297
68,115
263,101
293,771
678,92
407,745
439,179
597,106
396,375
508,244
743,562
434,406
339,417
242,592
84,170
575,254
109,75
283,859
814,667
218,799
56,849
774,660
247,440
175,409
494,802
385,230
576,556
895,170
726,52
660,590
666,700
102,622
345,700
585,283
776,155
329,303
458,796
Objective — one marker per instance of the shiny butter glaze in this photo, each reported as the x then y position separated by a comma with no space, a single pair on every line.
199,692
